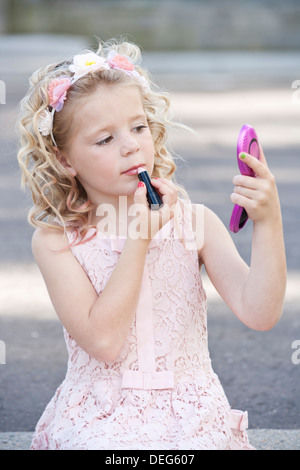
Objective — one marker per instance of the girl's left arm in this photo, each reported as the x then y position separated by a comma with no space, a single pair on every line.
254,293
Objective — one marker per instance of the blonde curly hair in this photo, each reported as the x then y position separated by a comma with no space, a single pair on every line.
57,195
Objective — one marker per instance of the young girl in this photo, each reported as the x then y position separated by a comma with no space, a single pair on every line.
125,279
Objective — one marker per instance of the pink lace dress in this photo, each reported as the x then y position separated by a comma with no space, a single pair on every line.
161,392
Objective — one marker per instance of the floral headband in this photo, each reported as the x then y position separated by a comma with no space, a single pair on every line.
81,66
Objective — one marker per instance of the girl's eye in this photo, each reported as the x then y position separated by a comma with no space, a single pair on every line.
104,141
140,129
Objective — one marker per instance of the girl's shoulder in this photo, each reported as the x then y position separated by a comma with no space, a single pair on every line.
48,240
216,237
203,222
213,225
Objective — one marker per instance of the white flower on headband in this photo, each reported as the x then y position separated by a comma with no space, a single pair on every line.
85,63
45,122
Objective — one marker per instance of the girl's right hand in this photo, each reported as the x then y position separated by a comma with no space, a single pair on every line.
148,222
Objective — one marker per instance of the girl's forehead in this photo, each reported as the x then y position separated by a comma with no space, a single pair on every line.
107,94
107,105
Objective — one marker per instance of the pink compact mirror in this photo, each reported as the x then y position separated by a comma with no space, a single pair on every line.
248,143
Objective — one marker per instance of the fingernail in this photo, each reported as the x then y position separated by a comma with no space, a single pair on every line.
243,156
141,184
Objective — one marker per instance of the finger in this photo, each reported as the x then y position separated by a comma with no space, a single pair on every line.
246,192
262,157
167,189
161,186
246,181
240,199
256,165
161,182
140,194
167,181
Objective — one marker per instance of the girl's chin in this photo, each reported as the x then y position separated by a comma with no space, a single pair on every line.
130,189
126,191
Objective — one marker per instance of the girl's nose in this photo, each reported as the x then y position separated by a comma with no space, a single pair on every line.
129,146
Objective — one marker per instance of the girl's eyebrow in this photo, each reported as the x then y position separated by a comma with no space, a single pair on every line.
109,127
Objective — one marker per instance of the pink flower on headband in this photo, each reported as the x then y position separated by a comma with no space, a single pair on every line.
57,91
124,63
120,62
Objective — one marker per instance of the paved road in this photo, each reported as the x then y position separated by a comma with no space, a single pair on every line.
216,98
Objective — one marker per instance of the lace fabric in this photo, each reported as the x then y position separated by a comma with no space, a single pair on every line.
161,392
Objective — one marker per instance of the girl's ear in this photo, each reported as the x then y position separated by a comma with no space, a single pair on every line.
65,162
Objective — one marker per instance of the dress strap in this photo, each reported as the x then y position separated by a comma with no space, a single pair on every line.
146,377
144,325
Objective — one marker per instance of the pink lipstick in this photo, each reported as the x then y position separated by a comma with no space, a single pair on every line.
153,198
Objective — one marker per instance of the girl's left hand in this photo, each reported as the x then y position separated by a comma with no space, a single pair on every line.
258,195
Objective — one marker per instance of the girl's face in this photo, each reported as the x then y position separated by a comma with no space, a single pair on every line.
111,139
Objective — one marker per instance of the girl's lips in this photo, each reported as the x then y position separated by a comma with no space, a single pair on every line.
133,171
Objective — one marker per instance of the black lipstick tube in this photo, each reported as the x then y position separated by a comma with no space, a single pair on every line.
153,198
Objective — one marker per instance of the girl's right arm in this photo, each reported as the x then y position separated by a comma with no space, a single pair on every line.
99,324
